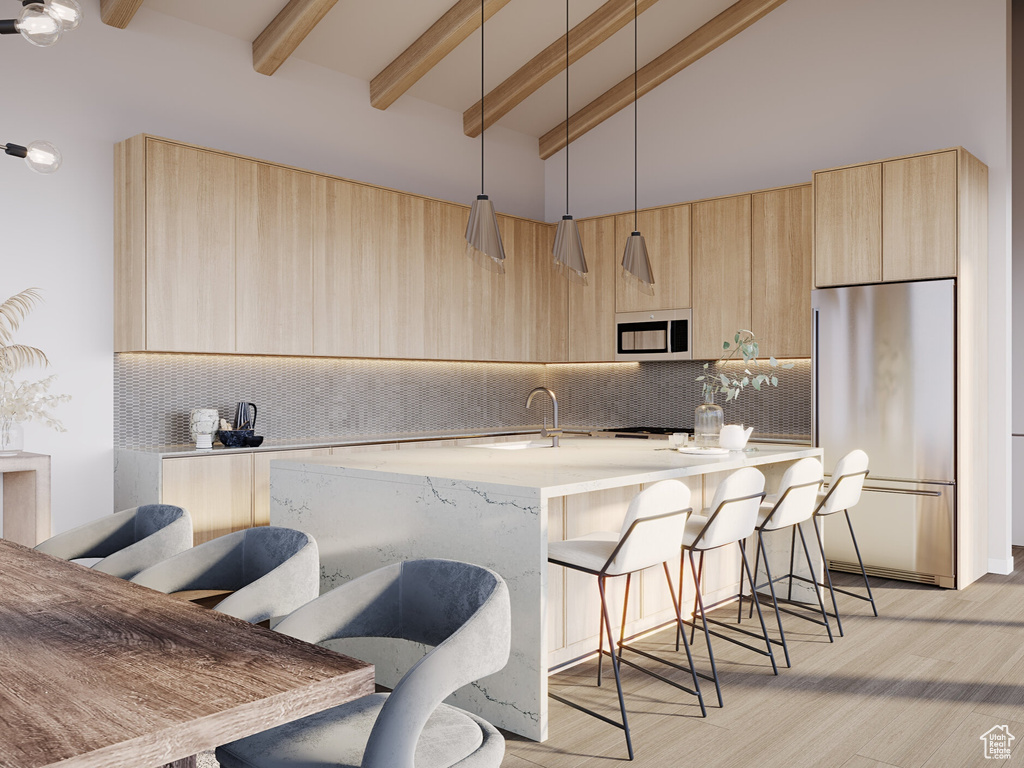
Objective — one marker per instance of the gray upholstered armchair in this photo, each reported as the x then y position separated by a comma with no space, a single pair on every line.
269,571
461,610
128,541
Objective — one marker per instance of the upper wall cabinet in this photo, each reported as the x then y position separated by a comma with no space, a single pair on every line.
535,296
887,221
919,217
346,264
721,273
780,271
666,232
219,253
848,225
174,248
409,231
274,261
592,306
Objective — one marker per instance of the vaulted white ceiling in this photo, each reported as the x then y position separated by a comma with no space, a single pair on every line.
361,38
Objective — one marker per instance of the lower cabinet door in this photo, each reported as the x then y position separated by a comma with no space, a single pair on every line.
216,491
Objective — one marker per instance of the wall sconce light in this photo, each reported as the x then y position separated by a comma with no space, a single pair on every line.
40,156
43,23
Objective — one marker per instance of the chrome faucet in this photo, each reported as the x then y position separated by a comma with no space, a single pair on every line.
555,431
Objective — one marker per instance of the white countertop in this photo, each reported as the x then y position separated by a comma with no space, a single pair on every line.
580,465
296,443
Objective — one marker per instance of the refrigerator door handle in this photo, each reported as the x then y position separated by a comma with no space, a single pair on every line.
900,491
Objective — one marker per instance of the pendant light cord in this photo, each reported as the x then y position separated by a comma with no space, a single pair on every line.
566,107
635,122
483,128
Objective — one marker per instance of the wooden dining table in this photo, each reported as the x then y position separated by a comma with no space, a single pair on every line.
97,672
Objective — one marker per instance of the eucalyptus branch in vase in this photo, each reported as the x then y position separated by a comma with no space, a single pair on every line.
709,418
24,400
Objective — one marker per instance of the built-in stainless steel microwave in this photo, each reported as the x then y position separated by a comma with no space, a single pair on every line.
659,335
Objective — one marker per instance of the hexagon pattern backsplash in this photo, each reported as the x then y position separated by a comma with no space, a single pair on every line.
323,398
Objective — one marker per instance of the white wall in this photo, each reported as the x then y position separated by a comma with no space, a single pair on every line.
163,76
1018,271
821,83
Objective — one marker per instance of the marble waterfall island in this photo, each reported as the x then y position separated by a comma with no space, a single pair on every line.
499,507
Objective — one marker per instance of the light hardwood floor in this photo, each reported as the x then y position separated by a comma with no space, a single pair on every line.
914,688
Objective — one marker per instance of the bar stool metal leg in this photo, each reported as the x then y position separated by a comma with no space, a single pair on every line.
615,667
828,576
775,600
625,607
860,561
757,605
814,581
699,603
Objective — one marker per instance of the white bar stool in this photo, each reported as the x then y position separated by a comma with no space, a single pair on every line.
729,520
650,534
794,504
843,493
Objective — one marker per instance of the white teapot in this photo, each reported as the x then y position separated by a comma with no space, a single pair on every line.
734,436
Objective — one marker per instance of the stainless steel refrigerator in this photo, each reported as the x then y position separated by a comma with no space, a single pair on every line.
884,375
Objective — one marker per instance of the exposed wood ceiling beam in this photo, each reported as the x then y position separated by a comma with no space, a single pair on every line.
458,23
723,27
583,38
118,13
289,28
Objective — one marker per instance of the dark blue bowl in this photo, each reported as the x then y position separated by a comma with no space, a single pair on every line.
237,438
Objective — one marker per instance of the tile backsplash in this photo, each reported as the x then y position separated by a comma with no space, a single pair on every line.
306,397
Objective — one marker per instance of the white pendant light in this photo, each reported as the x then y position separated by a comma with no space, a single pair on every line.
482,236
570,260
43,23
41,156
636,265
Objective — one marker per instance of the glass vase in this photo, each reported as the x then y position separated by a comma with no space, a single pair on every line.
12,437
707,422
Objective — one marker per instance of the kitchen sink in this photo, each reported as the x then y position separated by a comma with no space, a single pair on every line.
517,446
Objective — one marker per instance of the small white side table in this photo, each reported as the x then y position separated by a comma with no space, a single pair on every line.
26,497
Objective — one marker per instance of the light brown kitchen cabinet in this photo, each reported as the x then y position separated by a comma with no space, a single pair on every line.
274,261
407,328
780,271
721,273
346,264
216,490
190,261
592,306
919,217
174,248
464,299
897,219
532,326
666,232
848,225
261,477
